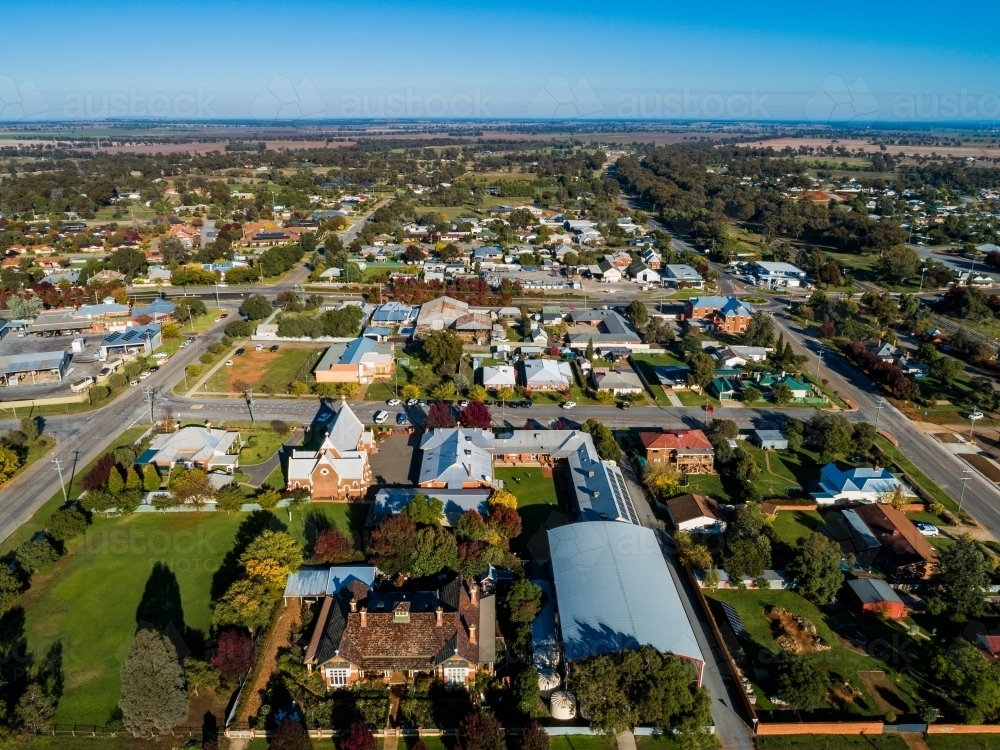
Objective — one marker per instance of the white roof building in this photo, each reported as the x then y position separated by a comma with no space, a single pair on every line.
203,447
499,376
546,374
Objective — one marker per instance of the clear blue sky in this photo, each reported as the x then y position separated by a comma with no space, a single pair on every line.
874,61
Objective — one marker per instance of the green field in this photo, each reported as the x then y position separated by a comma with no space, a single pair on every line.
791,475
537,503
834,742
162,568
265,444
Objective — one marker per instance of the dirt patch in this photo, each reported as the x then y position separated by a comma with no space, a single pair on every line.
794,633
983,151
982,464
885,695
249,367
947,437
278,643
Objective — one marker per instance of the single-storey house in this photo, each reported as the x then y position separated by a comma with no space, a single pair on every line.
622,380
546,374
690,512
358,361
676,274
202,447
499,376
905,553
856,485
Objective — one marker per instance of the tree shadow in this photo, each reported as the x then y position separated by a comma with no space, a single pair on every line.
15,659
160,605
314,523
209,730
50,671
250,528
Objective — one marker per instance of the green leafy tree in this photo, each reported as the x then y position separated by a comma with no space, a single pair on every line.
816,567
760,330
527,693
153,692
35,554
801,683
229,498
897,264
589,354
782,393
832,435
246,604
435,550
35,708
425,510
702,366
961,579
67,523
946,369
604,440
132,480
751,395
115,482
442,347
970,680
794,431
29,426
748,548
863,437
256,307
200,675
150,478
523,602
637,314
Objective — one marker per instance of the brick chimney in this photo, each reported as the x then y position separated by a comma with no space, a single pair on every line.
354,604
473,591
472,633
440,616
364,617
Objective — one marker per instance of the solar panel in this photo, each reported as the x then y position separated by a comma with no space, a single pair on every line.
735,622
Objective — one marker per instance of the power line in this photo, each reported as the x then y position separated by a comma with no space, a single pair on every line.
58,463
148,390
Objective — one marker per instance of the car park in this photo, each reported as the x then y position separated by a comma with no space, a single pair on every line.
380,417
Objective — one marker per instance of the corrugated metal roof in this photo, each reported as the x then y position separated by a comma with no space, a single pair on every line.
327,581
614,592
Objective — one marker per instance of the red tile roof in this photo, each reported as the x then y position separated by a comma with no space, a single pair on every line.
675,440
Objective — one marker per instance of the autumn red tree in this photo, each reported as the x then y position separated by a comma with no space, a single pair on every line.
98,475
480,730
392,545
533,737
505,520
358,737
234,655
290,736
334,547
476,414
440,416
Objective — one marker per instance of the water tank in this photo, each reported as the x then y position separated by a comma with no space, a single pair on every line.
545,658
548,681
562,705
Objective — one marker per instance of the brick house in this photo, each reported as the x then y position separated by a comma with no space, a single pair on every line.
686,451
395,635
724,314
339,468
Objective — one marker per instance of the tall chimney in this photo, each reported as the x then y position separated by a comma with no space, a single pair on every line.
473,591
472,633
354,604
440,616
364,617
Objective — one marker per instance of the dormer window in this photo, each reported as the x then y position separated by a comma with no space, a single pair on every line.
401,612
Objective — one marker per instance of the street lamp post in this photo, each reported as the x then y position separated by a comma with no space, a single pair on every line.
217,303
922,272
972,426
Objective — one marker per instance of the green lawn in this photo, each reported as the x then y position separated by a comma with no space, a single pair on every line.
275,480
791,475
94,596
646,363
963,741
265,445
840,659
312,518
74,488
792,525
537,503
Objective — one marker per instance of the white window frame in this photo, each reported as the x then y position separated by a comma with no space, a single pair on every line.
456,675
338,677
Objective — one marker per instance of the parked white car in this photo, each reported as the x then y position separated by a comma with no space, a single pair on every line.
229,363
569,405
393,402
381,416
927,529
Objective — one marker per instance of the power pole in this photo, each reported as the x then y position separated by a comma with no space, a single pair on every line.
148,390
250,405
58,463
963,480
878,410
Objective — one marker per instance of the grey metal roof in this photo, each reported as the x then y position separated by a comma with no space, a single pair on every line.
455,456
873,590
33,362
614,592
327,581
